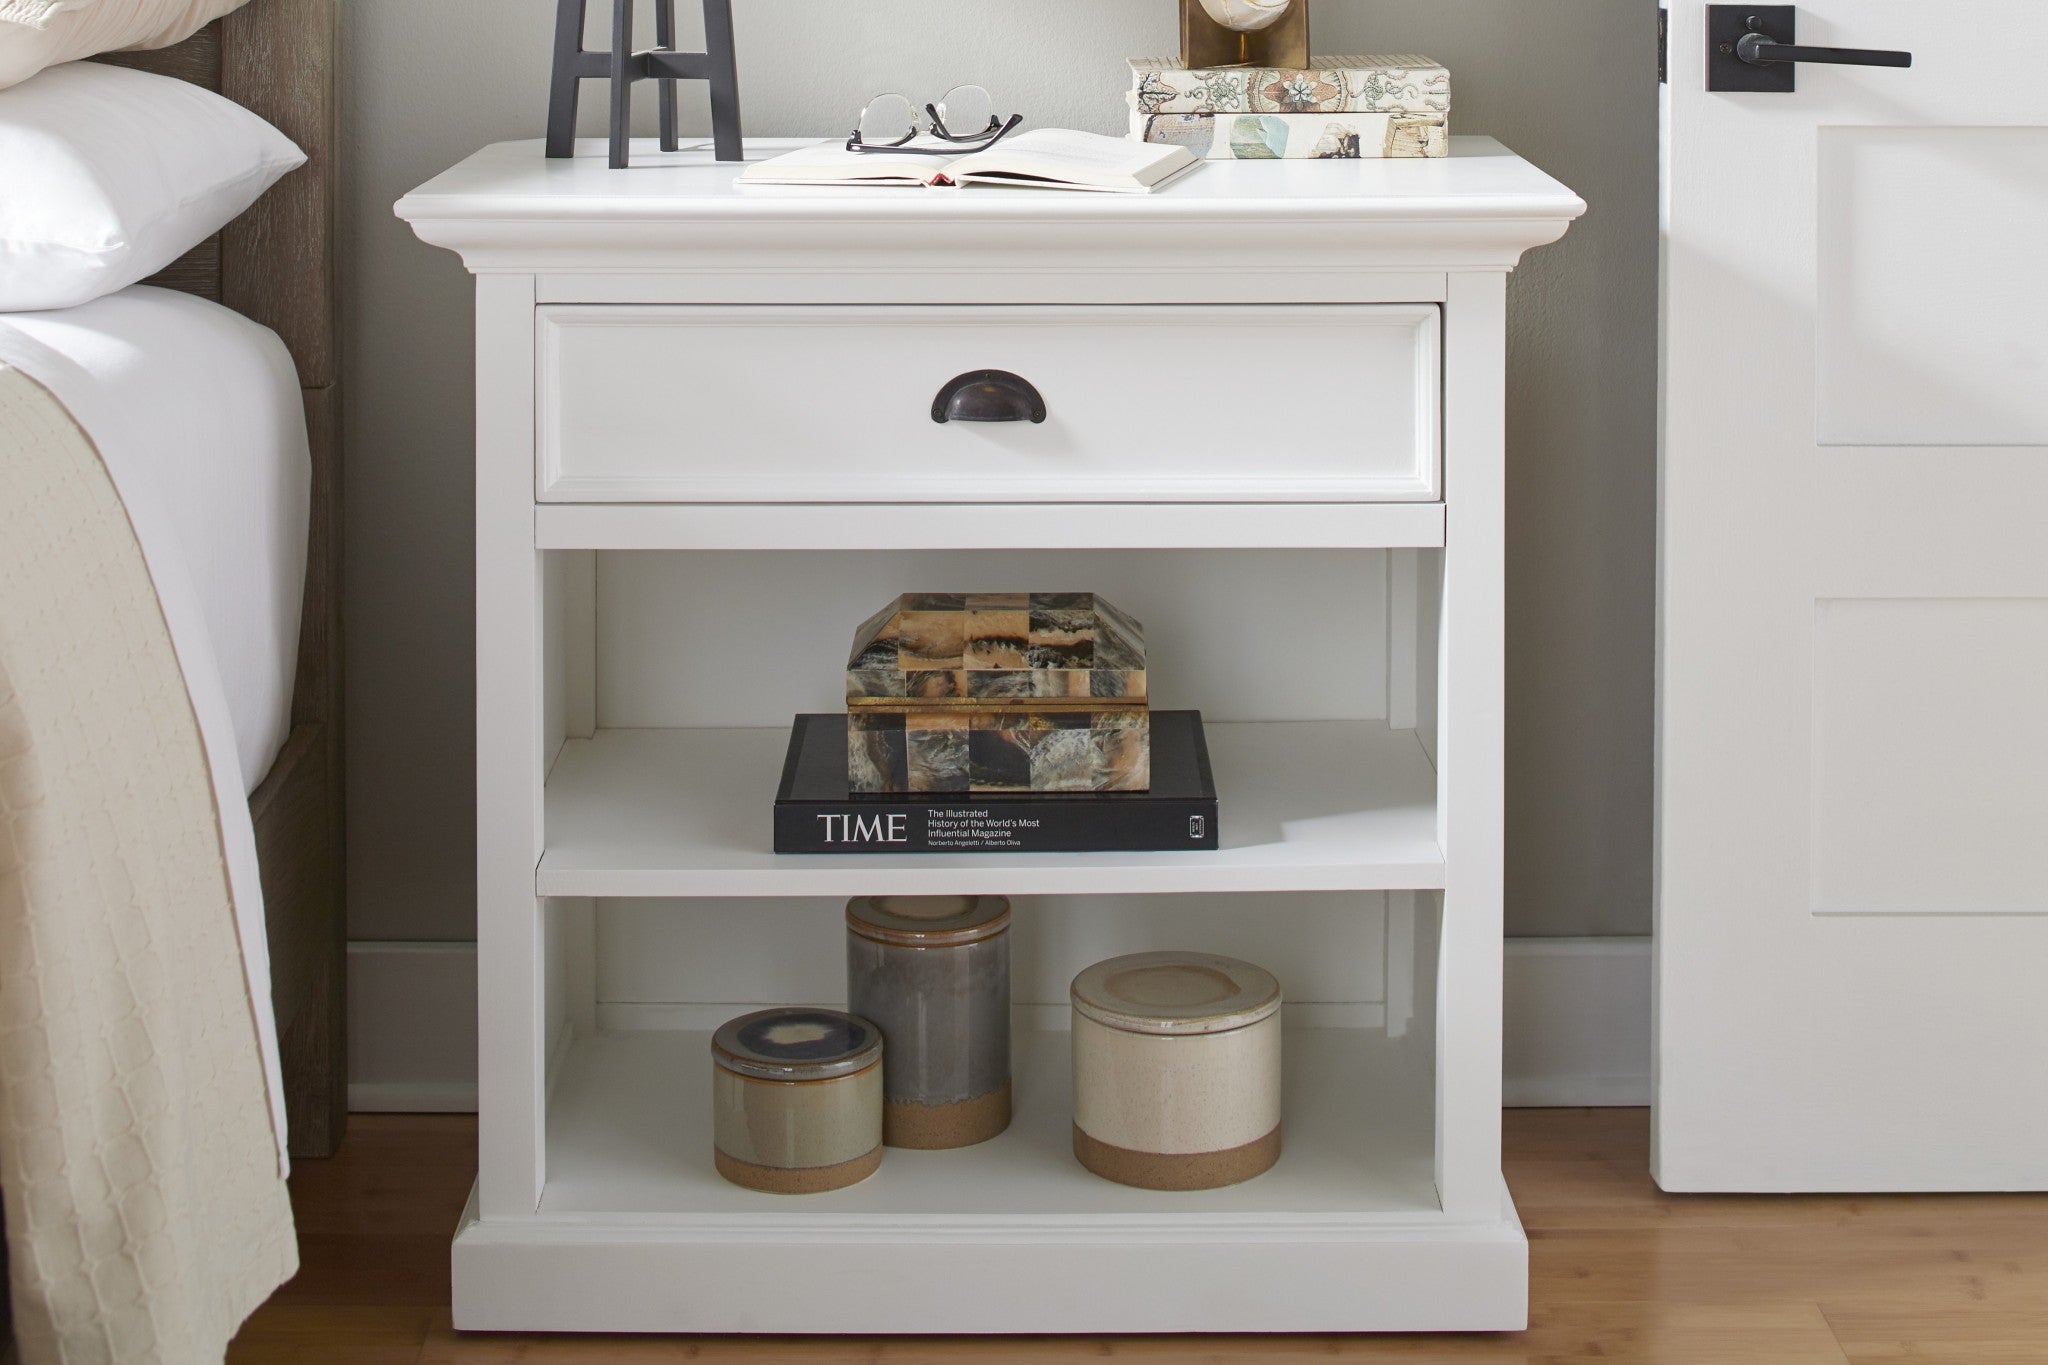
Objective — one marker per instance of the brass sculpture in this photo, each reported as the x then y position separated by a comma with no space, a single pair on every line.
1268,33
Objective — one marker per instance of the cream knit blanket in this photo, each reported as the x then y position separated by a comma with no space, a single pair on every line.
146,1212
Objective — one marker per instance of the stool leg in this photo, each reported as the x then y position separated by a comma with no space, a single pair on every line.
665,39
565,84
622,81
724,79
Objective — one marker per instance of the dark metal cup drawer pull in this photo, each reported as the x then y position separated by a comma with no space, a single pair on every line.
988,396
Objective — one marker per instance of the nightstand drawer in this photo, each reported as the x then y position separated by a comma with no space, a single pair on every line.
1194,403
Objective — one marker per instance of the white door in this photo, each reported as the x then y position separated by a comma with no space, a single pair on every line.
1852,931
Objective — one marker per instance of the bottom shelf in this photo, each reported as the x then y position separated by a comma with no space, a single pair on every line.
636,1231
629,1135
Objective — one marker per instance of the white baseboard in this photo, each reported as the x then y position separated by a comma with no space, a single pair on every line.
412,1028
1577,1022
1577,1016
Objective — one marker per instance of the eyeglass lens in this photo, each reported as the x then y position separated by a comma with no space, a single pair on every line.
888,118
966,110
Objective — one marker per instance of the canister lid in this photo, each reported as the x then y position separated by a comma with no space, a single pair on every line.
797,1043
928,921
1175,992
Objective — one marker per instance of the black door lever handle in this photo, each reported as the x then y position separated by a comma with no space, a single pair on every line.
1760,49
1754,49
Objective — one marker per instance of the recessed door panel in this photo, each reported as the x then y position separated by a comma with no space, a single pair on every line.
1932,325
1931,757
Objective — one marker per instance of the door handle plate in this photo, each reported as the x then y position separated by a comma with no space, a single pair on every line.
1727,25
1740,39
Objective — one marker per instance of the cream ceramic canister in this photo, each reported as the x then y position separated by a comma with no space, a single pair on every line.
797,1100
1176,1070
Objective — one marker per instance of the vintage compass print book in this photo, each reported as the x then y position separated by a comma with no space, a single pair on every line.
1328,85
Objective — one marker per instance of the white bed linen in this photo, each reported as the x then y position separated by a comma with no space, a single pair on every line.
197,413
213,402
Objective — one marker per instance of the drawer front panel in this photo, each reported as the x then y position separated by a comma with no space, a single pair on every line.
1310,403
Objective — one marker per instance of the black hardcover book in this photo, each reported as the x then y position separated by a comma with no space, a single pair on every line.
815,814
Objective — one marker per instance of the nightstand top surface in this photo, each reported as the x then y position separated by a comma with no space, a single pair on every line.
512,181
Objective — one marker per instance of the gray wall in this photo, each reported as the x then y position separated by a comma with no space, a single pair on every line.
1568,83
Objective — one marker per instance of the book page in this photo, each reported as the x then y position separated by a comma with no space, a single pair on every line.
1061,155
830,163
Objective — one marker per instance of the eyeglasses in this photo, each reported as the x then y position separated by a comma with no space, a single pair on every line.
964,118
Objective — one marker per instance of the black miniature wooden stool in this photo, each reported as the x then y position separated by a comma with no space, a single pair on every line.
622,67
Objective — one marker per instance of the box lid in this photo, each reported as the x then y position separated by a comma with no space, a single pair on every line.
997,648
1175,993
797,1043
928,921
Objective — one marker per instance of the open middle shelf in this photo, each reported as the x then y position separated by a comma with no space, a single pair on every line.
629,1140
1308,806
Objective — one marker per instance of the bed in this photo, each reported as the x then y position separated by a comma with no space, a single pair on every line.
277,266
172,550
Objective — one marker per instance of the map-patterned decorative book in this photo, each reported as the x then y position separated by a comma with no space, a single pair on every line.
1298,137
1402,84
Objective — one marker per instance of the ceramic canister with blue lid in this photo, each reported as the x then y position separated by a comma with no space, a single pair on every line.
797,1099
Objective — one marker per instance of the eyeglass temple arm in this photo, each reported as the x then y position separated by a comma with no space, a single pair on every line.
995,126
855,144
909,135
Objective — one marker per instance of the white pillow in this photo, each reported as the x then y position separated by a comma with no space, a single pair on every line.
108,175
39,33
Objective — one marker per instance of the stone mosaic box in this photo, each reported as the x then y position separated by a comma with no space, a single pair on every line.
998,692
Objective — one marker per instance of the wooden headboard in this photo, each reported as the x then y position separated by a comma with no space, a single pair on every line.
278,264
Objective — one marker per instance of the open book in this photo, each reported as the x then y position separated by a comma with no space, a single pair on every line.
1043,158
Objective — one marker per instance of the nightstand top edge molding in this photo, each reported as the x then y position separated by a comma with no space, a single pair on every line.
507,208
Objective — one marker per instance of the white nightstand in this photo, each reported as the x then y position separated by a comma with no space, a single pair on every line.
705,451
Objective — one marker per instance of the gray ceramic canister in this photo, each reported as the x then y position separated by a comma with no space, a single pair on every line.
933,972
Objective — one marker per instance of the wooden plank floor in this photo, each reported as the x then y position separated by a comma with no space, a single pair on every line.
1619,1272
